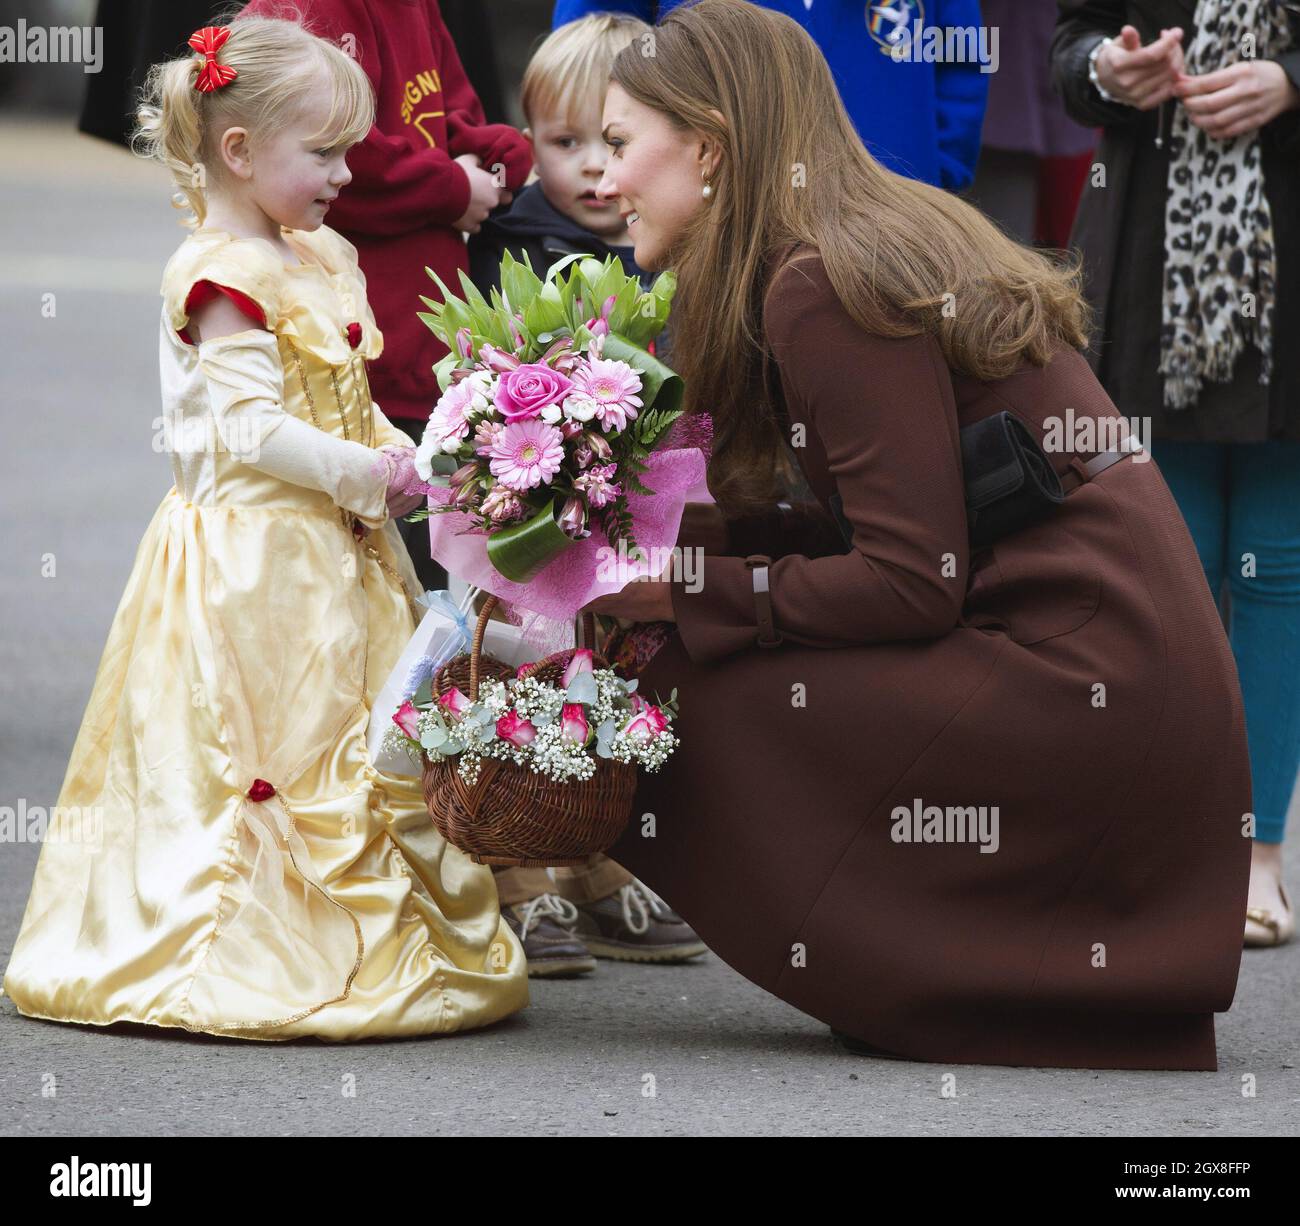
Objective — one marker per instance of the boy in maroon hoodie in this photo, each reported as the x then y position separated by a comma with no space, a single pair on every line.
430,169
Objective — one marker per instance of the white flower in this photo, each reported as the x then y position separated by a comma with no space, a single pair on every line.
579,407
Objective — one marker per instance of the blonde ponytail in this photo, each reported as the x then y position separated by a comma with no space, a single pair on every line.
169,129
277,62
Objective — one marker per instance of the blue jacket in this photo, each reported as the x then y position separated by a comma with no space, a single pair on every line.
919,119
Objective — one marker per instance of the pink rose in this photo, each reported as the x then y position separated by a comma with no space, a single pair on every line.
580,663
648,724
454,702
525,391
510,727
573,722
404,717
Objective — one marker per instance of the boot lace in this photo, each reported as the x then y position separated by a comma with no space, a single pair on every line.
639,903
547,906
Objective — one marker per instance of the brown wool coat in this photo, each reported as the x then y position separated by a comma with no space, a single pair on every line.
1106,930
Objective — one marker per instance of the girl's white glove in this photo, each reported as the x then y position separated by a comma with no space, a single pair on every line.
246,392
406,491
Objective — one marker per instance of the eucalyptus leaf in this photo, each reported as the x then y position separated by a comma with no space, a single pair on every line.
605,736
442,464
433,738
581,689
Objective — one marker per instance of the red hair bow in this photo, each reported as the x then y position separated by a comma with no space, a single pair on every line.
207,42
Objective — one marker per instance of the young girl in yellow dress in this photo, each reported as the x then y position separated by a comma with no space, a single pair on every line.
250,872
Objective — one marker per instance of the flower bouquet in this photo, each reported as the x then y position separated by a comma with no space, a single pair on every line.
551,407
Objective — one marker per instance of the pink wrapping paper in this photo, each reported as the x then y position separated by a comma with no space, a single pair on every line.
570,582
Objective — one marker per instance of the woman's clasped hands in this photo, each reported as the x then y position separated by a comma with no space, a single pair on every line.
1226,103
1138,76
1239,99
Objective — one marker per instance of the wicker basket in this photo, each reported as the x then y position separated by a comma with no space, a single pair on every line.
514,815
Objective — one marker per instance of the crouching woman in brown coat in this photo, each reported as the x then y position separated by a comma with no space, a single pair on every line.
963,801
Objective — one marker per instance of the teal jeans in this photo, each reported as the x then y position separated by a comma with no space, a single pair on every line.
1241,502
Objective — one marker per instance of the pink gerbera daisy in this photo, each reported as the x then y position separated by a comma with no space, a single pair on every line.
606,389
526,453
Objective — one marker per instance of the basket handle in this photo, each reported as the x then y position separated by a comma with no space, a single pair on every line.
480,628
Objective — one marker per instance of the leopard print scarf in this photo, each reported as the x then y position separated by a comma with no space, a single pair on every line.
1219,253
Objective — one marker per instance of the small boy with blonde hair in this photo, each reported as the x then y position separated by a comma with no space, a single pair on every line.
562,96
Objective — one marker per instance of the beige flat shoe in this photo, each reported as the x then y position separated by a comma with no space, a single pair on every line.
1265,928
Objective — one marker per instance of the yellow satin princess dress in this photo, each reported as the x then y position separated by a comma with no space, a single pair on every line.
252,638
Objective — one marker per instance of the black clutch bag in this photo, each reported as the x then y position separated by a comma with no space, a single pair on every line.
1010,483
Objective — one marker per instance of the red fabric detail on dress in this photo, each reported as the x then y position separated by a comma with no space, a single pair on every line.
260,791
205,291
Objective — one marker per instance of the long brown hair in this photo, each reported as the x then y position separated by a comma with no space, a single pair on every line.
793,169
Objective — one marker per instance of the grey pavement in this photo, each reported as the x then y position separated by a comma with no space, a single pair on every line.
629,1050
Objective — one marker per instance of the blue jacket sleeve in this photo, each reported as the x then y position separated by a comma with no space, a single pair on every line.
963,92
571,10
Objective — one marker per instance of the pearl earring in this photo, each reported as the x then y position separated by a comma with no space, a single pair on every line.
707,192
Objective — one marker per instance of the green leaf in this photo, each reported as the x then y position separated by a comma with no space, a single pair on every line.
590,270
443,368
560,265
624,312
523,549
544,314
611,282
477,303
520,284
635,485
664,285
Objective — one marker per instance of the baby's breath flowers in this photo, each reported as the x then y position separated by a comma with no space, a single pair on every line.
559,731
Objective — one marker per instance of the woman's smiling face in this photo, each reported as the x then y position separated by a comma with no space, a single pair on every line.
655,174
